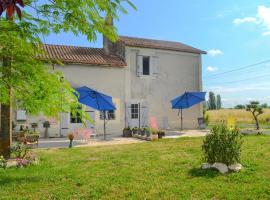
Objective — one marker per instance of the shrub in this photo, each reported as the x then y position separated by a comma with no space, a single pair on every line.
3,162
222,145
19,150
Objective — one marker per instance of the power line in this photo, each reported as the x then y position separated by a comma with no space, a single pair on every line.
243,80
238,69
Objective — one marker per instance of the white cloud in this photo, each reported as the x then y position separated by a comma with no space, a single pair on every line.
211,69
214,52
262,18
238,21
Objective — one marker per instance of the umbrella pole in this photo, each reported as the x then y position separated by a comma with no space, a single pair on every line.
181,119
104,125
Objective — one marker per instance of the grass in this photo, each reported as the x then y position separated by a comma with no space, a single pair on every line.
243,118
167,169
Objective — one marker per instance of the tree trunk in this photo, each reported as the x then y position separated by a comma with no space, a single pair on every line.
6,116
6,130
257,122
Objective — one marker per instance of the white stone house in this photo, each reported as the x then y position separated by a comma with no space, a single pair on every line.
141,75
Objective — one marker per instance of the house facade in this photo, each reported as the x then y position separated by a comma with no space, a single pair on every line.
141,75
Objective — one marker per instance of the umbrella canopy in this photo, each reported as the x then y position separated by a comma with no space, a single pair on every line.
96,100
187,100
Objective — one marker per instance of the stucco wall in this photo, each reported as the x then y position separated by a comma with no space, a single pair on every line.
177,73
108,80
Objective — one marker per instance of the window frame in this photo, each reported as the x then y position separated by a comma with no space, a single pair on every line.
76,119
109,115
134,112
149,65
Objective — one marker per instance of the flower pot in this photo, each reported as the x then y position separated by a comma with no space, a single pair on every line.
154,137
148,133
143,133
127,133
161,134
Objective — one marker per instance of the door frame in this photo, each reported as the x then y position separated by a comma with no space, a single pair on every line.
131,122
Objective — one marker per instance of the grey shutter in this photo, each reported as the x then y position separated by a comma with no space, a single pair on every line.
154,66
144,115
128,114
139,65
64,124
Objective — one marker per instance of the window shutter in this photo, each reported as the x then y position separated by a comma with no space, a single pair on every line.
128,114
144,115
64,123
154,66
139,65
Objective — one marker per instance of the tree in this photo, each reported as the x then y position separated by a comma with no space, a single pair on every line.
264,105
212,101
256,109
25,77
240,106
219,105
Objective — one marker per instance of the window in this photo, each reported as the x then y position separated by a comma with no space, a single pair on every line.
134,111
146,65
110,115
75,118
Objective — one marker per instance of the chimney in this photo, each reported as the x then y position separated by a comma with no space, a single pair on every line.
113,48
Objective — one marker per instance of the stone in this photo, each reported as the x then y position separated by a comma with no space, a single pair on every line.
221,167
235,167
206,166
11,163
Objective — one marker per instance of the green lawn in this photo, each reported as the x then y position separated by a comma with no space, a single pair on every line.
167,169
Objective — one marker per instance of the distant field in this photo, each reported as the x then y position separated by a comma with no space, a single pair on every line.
241,116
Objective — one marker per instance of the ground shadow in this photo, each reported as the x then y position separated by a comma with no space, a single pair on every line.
4,180
207,173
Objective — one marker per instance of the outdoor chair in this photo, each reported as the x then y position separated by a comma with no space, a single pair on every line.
201,123
84,134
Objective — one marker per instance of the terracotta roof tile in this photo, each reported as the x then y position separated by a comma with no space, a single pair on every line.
82,55
159,44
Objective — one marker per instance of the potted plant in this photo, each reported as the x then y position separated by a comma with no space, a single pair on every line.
135,131
147,131
161,134
154,134
127,132
46,125
143,131
71,138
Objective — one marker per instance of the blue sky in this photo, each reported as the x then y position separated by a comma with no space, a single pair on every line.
235,33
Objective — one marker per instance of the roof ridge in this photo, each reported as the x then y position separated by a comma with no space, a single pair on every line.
159,44
72,46
157,40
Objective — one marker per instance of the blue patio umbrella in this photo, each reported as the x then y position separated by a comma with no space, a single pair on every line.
96,100
187,100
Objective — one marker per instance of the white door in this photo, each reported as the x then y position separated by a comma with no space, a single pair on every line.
137,114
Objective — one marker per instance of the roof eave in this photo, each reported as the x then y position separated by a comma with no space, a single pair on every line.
169,49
